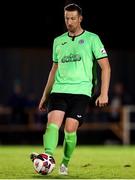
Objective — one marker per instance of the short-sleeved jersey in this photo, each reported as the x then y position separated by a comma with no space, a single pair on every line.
75,57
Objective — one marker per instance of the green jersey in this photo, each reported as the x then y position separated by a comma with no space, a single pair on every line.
75,57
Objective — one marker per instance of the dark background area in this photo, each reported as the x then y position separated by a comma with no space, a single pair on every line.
35,24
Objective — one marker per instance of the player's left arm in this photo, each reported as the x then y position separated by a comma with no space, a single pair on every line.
104,64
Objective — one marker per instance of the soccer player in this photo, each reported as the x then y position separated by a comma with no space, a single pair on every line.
70,83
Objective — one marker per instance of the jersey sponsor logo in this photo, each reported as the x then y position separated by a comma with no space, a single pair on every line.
64,43
71,58
103,51
81,41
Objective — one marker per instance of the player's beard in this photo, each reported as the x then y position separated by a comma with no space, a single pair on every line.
71,29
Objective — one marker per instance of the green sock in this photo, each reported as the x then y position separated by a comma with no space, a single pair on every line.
69,146
50,138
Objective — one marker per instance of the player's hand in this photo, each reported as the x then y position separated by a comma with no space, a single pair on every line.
101,101
42,105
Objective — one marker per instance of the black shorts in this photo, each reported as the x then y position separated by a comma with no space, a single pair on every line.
74,105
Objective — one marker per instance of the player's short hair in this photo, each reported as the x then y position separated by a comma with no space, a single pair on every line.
73,7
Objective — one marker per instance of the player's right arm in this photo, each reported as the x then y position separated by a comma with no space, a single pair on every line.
48,87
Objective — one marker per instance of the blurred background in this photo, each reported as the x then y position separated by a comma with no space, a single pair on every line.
27,30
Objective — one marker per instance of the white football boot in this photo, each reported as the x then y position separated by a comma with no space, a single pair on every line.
63,170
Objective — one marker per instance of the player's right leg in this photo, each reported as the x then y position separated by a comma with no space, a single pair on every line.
56,112
51,136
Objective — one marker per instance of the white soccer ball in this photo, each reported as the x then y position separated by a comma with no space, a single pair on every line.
44,164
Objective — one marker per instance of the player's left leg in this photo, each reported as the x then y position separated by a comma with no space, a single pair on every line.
75,116
70,140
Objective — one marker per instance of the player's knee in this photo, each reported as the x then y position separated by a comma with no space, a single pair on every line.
70,129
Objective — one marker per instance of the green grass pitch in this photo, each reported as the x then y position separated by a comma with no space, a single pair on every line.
88,162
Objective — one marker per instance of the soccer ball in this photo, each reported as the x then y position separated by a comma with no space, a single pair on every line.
44,164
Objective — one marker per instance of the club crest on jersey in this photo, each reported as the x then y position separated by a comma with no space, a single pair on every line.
103,51
81,41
